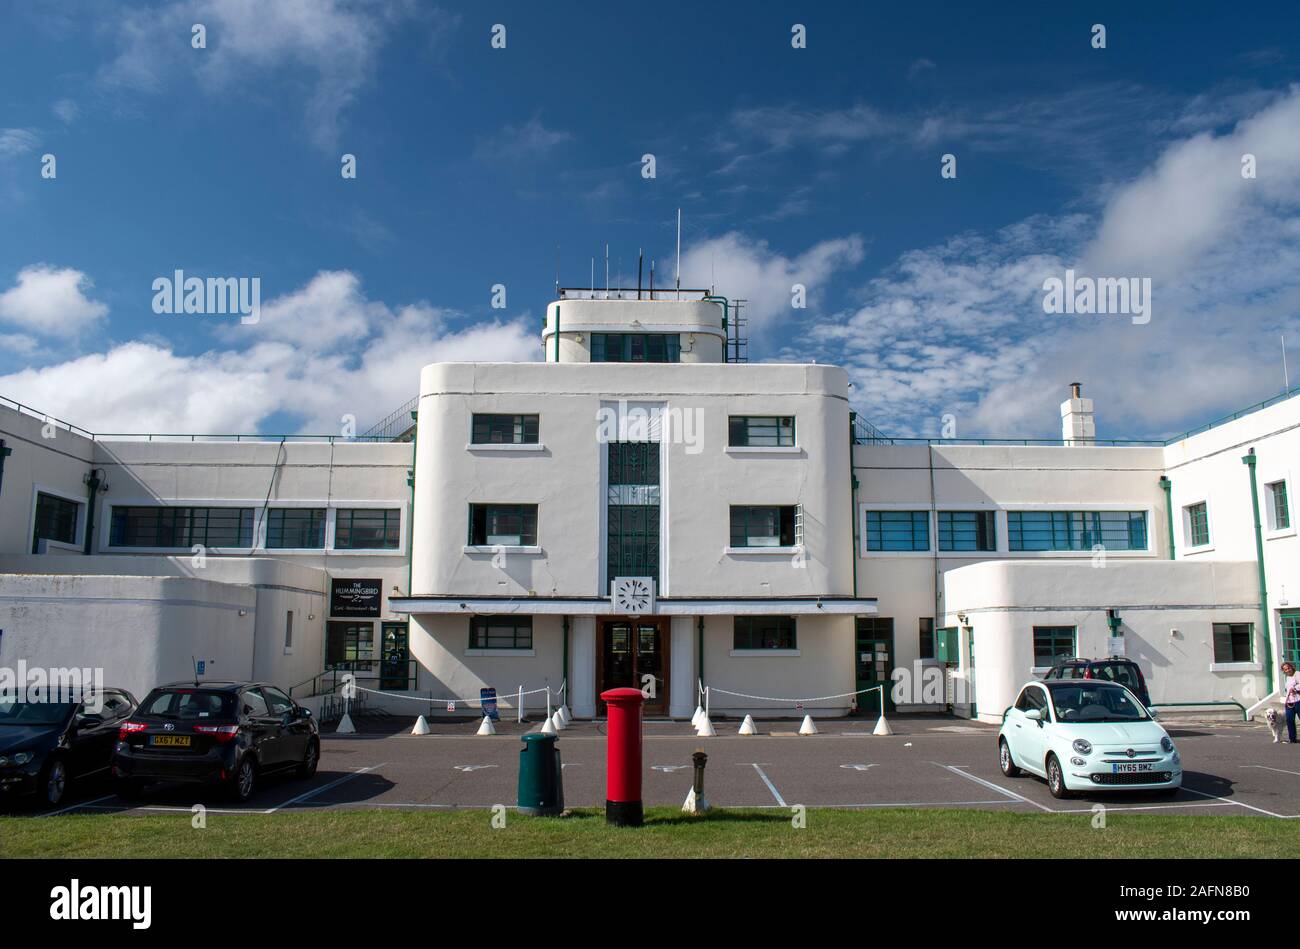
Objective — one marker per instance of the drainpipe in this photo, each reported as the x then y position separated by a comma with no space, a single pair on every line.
699,645
1169,511
557,332
1249,461
564,668
853,507
93,482
410,481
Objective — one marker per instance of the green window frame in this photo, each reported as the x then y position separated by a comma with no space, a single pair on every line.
1289,626
367,528
898,530
1281,509
497,429
1076,530
1198,524
1053,643
759,633
925,638
760,431
762,525
508,525
1234,642
967,531
56,520
168,527
636,347
295,528
501,632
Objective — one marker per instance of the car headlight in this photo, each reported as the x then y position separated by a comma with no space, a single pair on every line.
17,760
1167,744
1082,746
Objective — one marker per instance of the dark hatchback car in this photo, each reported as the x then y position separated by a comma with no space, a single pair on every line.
46,746
1118,669
227,734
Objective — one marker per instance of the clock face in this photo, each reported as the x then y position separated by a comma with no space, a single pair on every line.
633,594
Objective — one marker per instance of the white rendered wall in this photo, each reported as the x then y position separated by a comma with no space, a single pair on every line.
46,457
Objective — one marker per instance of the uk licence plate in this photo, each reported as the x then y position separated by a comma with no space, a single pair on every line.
170,741
1127,768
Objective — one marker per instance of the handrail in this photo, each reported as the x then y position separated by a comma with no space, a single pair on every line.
1244,716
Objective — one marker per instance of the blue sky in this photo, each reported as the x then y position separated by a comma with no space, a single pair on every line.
478,166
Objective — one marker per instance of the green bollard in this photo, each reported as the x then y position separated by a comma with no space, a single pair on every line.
541,780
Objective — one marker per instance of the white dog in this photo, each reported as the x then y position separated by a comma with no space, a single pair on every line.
1275,721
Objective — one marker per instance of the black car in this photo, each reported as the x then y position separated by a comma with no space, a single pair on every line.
1116,669
227,734
45,746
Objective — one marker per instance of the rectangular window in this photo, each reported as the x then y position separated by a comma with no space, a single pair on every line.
762,526
632,511
760,431
1198,525
898,530
764,632
1052,644
510,525
1281,511
350,646
296,527
1076,530
926,650
504,429
288,629
501,632
636,347
1234,642
967,530
181,527
367,529
56,519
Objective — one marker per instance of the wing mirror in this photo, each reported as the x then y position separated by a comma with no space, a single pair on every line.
1153,713
1035,715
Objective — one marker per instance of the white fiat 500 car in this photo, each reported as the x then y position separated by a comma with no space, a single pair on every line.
1087,735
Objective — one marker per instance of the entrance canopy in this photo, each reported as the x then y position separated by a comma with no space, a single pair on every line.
664,606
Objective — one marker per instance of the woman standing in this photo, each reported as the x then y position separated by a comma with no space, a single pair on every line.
1291,697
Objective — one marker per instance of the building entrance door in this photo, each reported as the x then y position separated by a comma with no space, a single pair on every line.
634,655
874,660
395,658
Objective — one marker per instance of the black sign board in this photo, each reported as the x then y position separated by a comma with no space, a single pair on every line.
350,597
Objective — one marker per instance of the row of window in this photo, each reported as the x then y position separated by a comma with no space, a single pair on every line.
743,431
1196,517
515,525
181,527
516,632
1026,530
1233,642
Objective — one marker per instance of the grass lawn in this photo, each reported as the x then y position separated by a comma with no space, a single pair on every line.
667,833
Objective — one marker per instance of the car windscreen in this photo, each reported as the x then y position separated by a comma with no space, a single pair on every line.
33,713
1093,701
187,704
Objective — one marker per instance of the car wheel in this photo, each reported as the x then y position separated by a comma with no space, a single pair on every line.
1056,778
54,782
244,781
1005,760
308,767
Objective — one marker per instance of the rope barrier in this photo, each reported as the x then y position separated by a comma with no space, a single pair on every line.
452,701
769,698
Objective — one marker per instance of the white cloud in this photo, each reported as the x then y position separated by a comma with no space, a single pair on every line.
17,141
321,352
743,268
51,301
66,111
517,142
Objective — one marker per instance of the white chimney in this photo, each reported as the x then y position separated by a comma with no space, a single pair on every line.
1078,427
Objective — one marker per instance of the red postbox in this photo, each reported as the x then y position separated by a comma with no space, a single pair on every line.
623,757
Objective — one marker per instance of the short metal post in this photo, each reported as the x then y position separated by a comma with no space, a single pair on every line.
519,704
700,759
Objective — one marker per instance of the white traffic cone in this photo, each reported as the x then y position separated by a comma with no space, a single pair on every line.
695,805
807,728
548,727
705,728
421,727
345,726
695,719
565,716
558,721
747,726
882,726
486,727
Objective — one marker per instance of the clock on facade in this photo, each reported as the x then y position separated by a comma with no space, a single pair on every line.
633,595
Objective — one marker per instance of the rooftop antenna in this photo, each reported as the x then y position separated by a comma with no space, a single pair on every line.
1286,378
652,278
639,252
557,270
607,270
679,253
593,278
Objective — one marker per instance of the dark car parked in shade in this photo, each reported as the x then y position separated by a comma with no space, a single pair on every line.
227,734
1116,669
46,746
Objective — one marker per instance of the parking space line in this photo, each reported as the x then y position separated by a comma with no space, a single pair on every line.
323,788
1145,807
1264,767
76,806
770,786
993,787
1238,803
